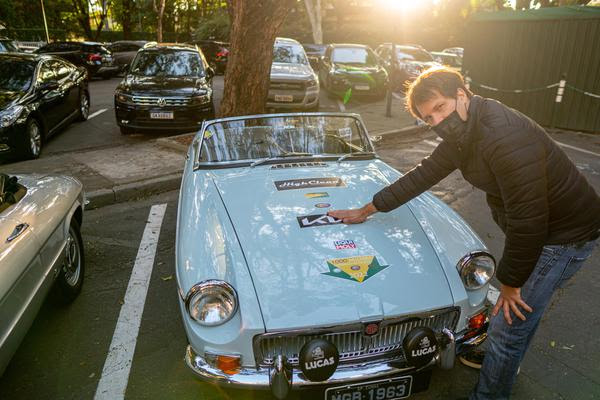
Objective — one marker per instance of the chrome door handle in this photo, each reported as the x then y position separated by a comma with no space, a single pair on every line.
19,229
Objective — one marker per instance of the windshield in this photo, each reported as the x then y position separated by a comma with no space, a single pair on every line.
293,54
8,46
167,63
280,136
353,55
16,75
413,55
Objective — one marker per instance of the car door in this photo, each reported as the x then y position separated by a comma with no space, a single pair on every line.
67,86
51,101
20,272
325,66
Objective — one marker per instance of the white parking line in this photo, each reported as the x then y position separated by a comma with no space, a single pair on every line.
341,106
100,111
397,96
578,149
115,373
431,143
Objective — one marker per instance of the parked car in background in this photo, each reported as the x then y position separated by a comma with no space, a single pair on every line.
455,50
39,95
216,53
352,67
293,83
450,60
277,295
410,62
8,45
40,249
167,87
95,57
314,52
124,51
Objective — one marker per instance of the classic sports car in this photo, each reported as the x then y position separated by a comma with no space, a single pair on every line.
276,294
40,248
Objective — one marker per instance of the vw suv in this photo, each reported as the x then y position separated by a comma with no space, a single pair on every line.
167,87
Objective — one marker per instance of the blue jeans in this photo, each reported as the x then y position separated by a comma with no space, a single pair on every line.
506,344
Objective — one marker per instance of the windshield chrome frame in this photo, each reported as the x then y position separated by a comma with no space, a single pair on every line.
199,138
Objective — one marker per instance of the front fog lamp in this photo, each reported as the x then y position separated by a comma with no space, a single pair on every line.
476,269
211,302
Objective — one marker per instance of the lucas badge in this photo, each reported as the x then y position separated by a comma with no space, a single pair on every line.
307,221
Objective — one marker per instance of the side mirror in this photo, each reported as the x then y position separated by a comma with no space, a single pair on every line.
48,86
314,63
210,72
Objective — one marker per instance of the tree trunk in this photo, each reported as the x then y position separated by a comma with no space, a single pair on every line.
254,27
313,9
83,17
160,10
126,18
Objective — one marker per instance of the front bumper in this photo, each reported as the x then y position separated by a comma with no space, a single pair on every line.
10,138
187,118
260,378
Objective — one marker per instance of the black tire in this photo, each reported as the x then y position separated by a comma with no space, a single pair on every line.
125,130
70,277
84,106
33,139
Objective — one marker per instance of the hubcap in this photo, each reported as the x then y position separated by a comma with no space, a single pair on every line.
35,139
85,106
72,264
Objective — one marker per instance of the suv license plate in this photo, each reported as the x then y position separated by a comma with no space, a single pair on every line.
161,115
385,389
284,98
362,87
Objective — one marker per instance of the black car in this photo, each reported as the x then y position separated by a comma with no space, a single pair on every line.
354,68
167,87
124,52
411,60
8,46
95,57
38,96
216,54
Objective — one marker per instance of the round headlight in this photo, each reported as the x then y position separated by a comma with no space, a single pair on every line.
476,269
211,302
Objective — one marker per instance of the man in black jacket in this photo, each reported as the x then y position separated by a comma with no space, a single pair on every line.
546,208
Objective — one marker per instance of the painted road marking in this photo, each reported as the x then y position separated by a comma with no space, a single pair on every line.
341,106
431,143
100,111
568,146
396,95
115,373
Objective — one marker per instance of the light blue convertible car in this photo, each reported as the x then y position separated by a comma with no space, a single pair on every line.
277,295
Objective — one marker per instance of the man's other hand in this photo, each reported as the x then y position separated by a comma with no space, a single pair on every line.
510,300
354,216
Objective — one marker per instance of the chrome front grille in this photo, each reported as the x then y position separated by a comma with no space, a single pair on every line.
350,341
161,101
287,85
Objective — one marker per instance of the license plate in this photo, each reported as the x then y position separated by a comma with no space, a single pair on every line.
161,115
284,98
385,389
362,87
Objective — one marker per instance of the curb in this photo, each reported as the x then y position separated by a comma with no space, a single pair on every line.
129,191
171,143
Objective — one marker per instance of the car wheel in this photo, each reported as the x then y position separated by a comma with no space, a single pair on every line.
84,106
33,139
125,130
70,277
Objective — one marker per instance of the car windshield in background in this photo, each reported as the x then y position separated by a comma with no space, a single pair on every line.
167,63
353,55
8,46
315,48
414,55
289,54
283,136
16,75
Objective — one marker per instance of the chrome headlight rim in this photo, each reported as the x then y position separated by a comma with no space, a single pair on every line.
465,261
206,285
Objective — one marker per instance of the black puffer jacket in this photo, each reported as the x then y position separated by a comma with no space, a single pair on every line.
537,195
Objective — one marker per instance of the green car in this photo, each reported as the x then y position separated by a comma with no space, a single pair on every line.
352,69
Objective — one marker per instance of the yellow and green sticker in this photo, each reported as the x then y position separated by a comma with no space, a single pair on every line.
358,269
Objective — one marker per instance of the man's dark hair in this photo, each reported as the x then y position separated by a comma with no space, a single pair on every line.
431,82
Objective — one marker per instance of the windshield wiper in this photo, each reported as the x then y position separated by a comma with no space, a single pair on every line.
283,155
356,153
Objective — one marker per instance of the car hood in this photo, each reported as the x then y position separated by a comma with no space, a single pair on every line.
8,98
291,71
297,271
162,86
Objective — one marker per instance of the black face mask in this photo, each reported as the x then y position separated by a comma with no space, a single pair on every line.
451,128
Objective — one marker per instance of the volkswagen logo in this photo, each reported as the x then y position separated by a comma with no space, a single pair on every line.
161,102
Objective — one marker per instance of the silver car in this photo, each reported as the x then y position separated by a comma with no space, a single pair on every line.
294,84
40,249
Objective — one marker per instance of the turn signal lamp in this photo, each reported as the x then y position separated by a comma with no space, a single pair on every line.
229,364
477,321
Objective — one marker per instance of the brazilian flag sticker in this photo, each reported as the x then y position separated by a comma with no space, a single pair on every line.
357,269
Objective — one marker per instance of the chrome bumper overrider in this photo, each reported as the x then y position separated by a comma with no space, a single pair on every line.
259,378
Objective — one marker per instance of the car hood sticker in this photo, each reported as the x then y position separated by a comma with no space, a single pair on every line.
358,269
306,221
309,183
316,195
